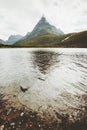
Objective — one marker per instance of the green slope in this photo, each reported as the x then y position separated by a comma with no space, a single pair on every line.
46,40
52,40
76,40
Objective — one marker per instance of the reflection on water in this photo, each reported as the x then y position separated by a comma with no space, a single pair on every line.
53,77
43,60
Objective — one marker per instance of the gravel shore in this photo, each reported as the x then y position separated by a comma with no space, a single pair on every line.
12,118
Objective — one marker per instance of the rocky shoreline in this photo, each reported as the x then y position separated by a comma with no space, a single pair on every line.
12,118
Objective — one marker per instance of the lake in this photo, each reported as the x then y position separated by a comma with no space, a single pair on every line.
53,79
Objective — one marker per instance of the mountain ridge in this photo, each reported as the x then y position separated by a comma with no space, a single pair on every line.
41,28
13,38
46,35
2,41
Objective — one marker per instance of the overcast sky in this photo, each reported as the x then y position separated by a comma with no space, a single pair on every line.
20,16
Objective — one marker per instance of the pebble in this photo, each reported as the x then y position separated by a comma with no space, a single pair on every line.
12,124
39,125
2,127
30,125
9,111
22,114
20,123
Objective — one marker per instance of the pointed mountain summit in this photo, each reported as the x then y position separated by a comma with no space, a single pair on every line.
43,33
43,27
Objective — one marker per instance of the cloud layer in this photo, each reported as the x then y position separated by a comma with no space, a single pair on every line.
20,16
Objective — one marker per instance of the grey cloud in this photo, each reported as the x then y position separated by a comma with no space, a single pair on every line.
1,17
85,13
20,16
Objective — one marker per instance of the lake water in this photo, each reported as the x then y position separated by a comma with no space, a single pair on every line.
54,78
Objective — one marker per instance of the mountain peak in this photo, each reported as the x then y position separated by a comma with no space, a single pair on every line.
43,27
42,22
43,19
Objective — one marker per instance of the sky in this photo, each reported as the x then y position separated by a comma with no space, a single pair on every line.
20,16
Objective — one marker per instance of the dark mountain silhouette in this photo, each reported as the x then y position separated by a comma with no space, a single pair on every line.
75,40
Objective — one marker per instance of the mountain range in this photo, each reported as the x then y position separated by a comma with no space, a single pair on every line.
11,40
46,35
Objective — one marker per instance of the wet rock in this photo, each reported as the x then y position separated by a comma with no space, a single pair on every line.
23,89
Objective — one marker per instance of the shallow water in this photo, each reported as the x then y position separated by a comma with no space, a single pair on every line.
54,78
